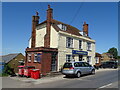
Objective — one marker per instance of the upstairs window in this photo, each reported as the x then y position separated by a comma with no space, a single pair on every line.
97,59
62,27
69,42
80,44
88,46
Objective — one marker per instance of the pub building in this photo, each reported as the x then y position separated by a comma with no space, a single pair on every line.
53,43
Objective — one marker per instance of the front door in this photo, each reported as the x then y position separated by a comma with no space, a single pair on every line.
54,62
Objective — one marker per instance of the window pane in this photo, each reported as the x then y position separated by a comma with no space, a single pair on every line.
68,58
67,65
69,42
80,44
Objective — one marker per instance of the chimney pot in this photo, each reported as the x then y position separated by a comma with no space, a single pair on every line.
48,6
37,13
84,22
85,28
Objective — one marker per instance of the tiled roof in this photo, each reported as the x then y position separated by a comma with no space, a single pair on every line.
70,29
7,58
107,53
97,55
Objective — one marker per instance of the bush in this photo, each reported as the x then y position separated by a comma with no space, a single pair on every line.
7,70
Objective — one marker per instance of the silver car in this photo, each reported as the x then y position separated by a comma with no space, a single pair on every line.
77,68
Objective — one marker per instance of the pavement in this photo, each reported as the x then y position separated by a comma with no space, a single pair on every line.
48,79
21,82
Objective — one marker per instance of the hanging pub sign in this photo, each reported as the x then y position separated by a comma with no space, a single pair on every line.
79,52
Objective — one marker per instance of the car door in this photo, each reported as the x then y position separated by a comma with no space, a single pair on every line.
76,67
82,67
87,68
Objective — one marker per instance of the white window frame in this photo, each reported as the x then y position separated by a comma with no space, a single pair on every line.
89,46
97,59
63,27
89,59
69,57
29,57
80,44
69,42
35,56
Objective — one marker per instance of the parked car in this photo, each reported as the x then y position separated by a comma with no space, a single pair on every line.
109,64
77,68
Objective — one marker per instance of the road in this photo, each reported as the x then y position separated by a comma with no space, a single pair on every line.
102,79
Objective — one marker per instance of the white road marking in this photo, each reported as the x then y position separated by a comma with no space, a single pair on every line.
105,85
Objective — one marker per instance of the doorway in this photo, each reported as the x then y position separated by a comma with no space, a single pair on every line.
54,62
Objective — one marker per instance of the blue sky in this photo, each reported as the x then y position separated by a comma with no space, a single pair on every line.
101,17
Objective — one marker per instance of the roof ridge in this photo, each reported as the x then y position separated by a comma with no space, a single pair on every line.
10,54
66,24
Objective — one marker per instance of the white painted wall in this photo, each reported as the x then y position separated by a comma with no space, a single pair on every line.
40,33
53,38
58,40
63,50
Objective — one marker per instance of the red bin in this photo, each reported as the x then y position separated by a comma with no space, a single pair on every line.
35,73
21,70
27,70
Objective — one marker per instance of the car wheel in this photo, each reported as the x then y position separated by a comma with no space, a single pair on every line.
93,72
78,74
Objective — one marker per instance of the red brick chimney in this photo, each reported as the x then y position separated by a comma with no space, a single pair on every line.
48,28
35,22
85,28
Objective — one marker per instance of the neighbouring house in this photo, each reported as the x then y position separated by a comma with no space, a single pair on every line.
13,60
106,57
52,43
98,59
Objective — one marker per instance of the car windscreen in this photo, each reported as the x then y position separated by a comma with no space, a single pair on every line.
67,65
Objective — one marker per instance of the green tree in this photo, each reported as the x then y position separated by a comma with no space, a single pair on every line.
114,52
118,57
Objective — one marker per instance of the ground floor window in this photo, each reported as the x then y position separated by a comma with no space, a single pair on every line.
29,57
37,57
68,58
89,59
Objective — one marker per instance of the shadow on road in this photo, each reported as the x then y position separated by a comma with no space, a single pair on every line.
73,76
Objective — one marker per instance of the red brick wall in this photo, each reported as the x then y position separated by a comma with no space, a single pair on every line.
32,63
46,63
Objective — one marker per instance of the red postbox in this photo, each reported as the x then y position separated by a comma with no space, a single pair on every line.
35,73
27,70
21,70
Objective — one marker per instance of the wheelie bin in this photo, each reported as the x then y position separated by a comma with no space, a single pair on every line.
27,70
21,70
35,73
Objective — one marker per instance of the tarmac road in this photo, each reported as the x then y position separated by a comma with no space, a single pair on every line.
103,79
106,78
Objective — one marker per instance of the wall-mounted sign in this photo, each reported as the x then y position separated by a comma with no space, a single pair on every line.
79,52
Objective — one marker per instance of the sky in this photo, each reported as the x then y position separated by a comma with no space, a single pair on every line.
102,18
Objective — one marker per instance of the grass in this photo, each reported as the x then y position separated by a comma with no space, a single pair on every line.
3,75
